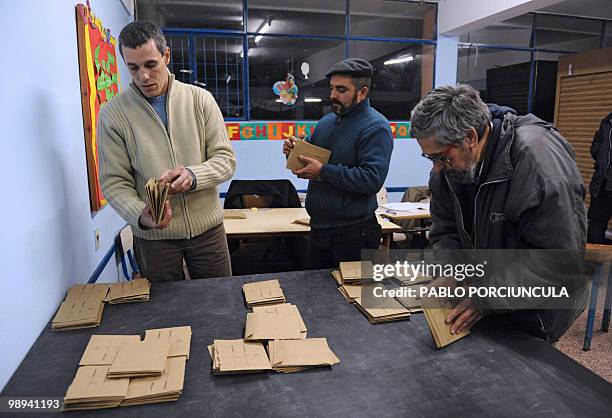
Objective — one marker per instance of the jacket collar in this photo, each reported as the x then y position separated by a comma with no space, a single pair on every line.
136,90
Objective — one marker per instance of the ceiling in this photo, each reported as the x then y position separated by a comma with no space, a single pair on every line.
587,8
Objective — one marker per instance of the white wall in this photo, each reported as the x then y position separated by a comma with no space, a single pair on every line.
48,240
460,16
262,160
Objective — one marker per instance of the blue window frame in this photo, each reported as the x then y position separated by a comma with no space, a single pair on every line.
219,59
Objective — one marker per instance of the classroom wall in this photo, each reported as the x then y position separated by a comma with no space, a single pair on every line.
47,240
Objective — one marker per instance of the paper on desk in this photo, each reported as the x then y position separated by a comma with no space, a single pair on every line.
407,206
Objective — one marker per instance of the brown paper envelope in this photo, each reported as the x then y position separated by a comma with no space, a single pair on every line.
102,349
306,149
179,337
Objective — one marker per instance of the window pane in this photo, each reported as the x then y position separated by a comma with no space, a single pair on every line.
219,70
567,34
319,17
179,57
271,59
397,86
608,36
393,19
192,14
515,32
545,85
501,76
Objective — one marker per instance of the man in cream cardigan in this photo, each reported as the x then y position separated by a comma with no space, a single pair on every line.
162,128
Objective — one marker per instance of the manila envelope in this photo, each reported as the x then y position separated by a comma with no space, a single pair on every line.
307,150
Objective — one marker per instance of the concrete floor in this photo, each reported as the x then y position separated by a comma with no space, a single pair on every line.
599,358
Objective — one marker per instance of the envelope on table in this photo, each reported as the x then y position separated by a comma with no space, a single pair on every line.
262,293
238,356
139,359
272,326
102,349
179,338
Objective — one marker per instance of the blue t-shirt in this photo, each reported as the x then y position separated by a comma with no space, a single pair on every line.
159,104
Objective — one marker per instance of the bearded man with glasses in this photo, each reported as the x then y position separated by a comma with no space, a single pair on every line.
504,182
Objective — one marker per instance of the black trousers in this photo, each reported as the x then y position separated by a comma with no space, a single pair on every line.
329,246
600,211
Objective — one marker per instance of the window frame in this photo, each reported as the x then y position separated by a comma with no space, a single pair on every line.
346,38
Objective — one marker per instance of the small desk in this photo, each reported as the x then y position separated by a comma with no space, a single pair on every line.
279,221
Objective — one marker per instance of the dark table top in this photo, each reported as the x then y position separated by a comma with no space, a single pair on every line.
388,369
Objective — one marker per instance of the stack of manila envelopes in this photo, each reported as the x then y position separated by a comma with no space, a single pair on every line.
82,307
165,388
295,355
352,292
273,326
93,382
387,314
390,309
93,389
284,309
436,312
157,194
136,290
238,356
337,276
306,149
356,272
263,293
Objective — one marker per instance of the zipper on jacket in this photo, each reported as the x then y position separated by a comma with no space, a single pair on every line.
171,145
460,210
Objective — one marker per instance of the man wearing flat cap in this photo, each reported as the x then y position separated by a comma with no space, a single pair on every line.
341,197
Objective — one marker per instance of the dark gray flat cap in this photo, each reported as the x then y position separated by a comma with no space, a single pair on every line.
356,67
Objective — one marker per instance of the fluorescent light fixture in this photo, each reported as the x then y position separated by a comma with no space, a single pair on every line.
278,100
265,26
312,100
407,58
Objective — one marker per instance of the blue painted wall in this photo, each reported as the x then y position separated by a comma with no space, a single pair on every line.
47,242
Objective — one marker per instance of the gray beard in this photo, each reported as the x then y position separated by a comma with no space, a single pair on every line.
464,177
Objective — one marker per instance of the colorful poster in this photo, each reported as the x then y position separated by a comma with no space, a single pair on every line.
99,83
262,130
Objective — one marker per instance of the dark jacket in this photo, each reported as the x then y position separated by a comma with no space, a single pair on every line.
601,151
361,143
530,198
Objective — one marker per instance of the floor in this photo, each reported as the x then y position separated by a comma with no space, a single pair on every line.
599,358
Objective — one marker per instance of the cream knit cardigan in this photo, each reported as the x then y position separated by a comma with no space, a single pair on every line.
133,146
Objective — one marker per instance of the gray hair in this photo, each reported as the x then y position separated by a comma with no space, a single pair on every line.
361,82
139,33
449,112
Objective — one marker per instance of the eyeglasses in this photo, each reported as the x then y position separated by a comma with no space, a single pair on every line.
440,158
